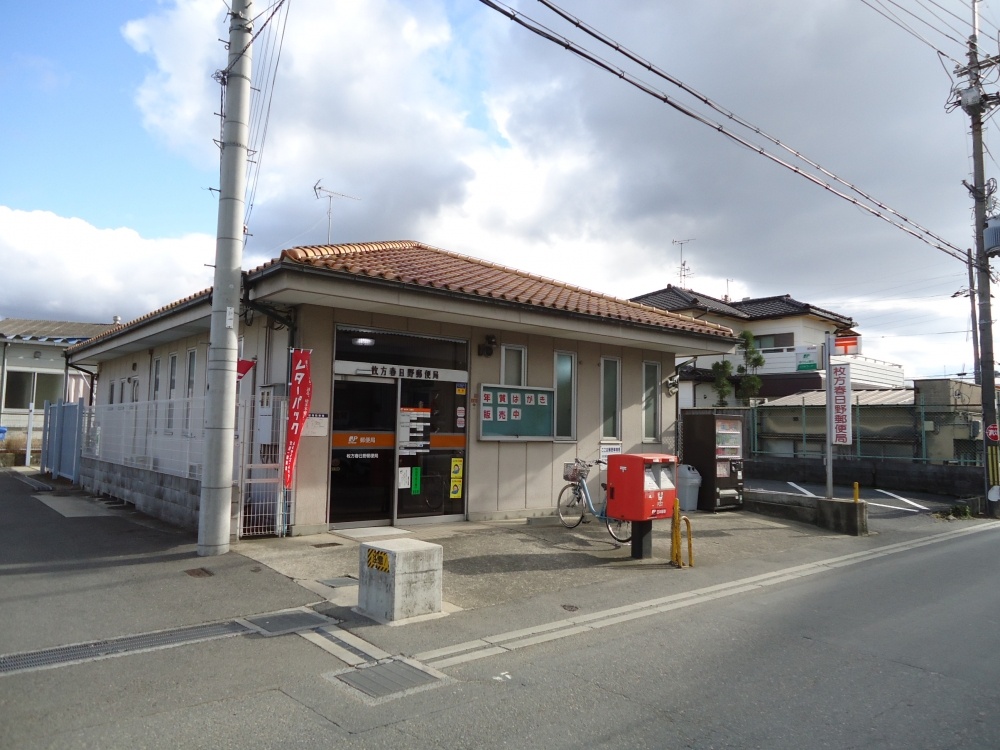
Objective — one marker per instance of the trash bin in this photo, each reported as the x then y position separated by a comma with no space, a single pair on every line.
3,434
688,484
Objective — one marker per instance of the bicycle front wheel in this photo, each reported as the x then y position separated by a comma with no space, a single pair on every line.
620,530
571,506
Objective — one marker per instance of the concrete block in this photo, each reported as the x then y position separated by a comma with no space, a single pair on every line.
399,579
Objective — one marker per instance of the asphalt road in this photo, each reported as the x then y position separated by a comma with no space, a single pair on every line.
881,503
880,642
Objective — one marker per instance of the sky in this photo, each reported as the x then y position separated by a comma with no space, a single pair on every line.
443,121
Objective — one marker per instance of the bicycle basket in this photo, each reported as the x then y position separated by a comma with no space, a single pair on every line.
574,472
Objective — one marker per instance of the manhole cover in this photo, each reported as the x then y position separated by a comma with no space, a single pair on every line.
387,678
279,623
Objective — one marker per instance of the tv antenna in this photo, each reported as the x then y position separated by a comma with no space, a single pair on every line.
682,270
321,191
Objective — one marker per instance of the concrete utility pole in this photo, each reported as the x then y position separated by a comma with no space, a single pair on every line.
215,509
975,102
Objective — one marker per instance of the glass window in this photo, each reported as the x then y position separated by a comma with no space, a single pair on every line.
512,365
610,398
393,348
171,389
111,392
17,394
651,401
172,377
191,360
25,389
156,379
565,387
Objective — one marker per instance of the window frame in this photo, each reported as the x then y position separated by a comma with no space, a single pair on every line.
505,349
654,387
572,394
617,413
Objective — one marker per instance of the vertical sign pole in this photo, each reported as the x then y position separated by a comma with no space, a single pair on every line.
828,382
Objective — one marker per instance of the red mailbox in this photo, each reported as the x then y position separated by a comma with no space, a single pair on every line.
641,486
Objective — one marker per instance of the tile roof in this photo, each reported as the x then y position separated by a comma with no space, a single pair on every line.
55,331
416,264
109,331
677,299
780,306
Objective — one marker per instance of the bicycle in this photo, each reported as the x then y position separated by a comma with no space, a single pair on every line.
575,501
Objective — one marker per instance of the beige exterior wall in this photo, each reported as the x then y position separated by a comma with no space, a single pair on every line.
504,479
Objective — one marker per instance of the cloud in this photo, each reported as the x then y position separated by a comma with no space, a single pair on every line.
58,268
454,126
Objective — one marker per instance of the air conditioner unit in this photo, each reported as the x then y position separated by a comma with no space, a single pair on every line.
975,428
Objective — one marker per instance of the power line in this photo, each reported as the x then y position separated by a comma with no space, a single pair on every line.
261,117
893,18
899,221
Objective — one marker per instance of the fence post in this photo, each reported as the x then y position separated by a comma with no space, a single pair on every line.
43,459
805,447
857,425
58,428
78,443
922,431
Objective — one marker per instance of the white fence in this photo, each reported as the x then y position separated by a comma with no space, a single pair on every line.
164,436
168,437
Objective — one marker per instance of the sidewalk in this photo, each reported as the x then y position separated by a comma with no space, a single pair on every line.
118,572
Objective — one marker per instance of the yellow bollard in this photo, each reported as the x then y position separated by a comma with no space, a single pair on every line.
675,535
856,492
690,543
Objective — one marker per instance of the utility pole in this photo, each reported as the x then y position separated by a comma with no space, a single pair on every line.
975,102
215,509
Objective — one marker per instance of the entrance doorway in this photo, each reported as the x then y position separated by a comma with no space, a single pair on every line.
398,449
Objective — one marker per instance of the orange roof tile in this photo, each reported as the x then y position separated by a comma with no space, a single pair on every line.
416,264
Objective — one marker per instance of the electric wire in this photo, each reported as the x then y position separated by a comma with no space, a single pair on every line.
900,222
925,22
261,120
892,18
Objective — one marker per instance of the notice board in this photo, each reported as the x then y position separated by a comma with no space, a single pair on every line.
510,412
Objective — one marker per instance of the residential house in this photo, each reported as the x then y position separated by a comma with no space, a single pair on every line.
790,335
33,369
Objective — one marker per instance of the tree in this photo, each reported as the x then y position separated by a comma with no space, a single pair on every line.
722,386
750,382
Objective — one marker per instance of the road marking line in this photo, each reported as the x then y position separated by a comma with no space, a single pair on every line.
803,490
893,507
348,657
900,497
471,656
475,650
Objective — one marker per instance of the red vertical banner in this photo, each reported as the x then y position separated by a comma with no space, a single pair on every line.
299,400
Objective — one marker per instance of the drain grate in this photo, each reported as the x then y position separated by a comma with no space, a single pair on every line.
386,678
279,623
82,652
328,544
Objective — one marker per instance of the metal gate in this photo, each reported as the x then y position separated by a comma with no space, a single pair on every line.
266,508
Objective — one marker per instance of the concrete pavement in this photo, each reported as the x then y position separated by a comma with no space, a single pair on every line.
78,569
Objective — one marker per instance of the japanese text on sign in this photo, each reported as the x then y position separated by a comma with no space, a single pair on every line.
378,560
840,378
299,399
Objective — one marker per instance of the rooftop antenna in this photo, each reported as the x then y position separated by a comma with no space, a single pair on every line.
320,191
682,271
